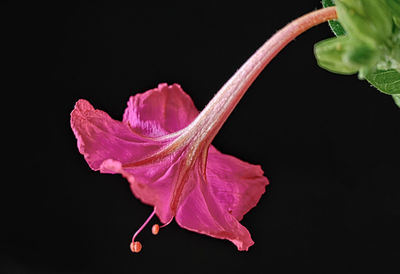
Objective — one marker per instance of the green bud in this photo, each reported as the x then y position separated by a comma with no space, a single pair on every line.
360,54
366,58
369,21
331,55
394,6
396,20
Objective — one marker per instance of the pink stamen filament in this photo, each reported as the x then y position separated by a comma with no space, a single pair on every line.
141,228
164,225
136,246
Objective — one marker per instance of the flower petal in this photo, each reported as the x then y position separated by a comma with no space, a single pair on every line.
151,184
108,144
101,138
160,111
237,185
200,212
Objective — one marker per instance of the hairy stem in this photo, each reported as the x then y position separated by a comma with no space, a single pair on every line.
211,119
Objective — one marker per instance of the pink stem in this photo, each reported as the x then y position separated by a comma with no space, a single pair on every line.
143,225
211,119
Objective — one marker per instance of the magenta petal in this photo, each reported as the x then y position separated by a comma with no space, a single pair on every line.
167,171
155,184
108,144
237,185
200,212
160,111
152,185
101,138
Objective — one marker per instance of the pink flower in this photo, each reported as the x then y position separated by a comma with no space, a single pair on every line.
171,165
163,148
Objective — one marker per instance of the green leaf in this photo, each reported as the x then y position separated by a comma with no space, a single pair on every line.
396,99
387,81
336,27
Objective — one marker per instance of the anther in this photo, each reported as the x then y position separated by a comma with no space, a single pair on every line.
155,228
136,247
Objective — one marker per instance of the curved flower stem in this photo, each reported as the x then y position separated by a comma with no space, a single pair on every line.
211,119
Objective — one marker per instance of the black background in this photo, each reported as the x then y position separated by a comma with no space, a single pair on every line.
328,143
